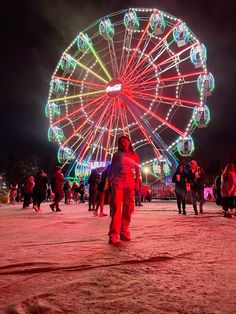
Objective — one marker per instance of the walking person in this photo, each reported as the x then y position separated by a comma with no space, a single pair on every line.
56,182
28,191
179,178
40,189
195,177
228,189
122,182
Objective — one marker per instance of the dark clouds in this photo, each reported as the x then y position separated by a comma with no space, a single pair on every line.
37,32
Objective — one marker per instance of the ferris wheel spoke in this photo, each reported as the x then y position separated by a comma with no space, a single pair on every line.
75,149
137,47
113,58
138,64
142,67
109,133
102,138
126,50
78,110
92,136
126,126
142,128
166,79
144,73
122,53
173,64
77,130
77,96
165,102
87,69
172,127
97,56
188,102
79,81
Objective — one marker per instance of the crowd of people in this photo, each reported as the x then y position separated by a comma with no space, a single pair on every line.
120,185
190,178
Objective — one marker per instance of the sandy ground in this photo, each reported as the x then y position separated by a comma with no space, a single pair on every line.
61,262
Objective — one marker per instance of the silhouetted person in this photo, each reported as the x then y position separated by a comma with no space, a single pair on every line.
56,182
40,189
93,188
179,178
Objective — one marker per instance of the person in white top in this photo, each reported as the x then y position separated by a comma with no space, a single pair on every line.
121,178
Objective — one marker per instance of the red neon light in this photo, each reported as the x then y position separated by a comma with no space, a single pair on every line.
156,116
145,72
109,132
171,78
154,48
84,149
72,113
188,102
135,50
70,137
78,81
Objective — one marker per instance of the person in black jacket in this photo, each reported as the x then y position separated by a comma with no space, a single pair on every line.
179,178
195,177
93,189
39,190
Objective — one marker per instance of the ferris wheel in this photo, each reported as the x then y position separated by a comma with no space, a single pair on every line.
136,72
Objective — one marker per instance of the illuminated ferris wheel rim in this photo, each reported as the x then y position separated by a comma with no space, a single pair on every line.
114,87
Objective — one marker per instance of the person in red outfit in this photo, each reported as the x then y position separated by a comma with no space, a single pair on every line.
56,182
122,181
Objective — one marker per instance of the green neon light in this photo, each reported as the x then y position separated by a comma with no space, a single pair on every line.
201,116
189,147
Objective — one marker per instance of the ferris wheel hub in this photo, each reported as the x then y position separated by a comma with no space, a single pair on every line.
114,88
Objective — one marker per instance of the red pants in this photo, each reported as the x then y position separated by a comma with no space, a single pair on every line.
122,195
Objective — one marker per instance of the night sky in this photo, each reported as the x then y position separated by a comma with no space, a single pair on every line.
37,32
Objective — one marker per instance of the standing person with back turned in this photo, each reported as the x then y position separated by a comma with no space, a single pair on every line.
179,178
39,190
123,184
56,182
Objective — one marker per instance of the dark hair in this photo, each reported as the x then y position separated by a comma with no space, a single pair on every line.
57,168
120,147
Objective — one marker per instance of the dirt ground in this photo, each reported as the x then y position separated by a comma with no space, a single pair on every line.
61,262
